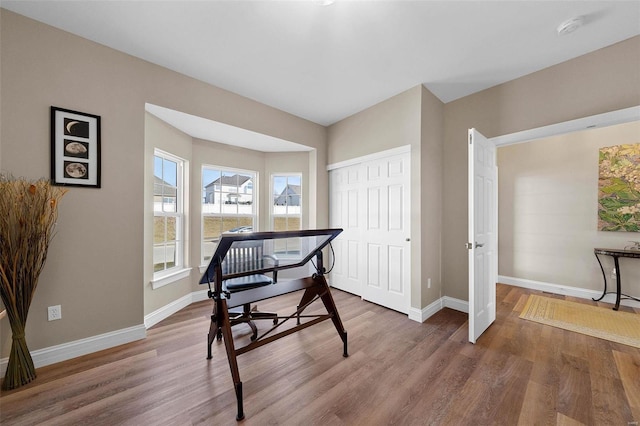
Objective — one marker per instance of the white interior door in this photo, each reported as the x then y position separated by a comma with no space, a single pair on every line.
371,202
346,213
386,232
483,240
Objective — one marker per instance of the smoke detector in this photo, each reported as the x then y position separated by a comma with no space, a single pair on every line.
570,25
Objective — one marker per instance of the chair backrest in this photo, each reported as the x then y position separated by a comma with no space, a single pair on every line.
243,257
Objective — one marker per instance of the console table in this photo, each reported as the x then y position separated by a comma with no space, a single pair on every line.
616,254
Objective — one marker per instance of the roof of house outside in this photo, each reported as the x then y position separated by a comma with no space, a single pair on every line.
160,187
291,190
230,180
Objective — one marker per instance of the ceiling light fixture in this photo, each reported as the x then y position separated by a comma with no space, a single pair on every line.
570,25
326,2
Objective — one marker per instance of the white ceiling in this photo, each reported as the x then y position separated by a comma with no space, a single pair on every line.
210,130
324,63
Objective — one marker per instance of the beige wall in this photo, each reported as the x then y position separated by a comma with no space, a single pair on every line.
602,81
95,269
290,162
413,118
160,135
430,195
548,201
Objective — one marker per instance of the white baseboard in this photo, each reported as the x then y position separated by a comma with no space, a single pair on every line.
564,290
66,351
455,304
166,311
421,315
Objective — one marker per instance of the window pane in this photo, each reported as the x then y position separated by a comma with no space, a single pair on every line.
170,172
170,255
227,205
169,203
279,223
287,199
229,223
171,228
293,223
211,228
158,230
293,204
158,258
279,183
208,248
246,222
294,180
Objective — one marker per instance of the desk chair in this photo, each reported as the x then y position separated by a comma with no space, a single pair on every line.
247,256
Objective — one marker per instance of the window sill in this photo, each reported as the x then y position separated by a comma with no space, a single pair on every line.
170,278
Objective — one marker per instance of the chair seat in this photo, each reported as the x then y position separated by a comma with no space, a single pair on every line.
246,283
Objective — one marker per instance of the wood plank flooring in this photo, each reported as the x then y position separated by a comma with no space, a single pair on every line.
398,372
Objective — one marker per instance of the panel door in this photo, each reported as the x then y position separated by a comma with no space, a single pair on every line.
345,213
386,231
483,235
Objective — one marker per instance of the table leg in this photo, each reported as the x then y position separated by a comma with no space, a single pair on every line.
618,286
604,277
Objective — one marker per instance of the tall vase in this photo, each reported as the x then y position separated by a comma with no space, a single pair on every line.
28,213
20,368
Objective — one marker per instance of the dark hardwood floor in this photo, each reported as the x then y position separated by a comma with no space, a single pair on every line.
398,372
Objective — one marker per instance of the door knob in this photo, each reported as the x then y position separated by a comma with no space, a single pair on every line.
479,245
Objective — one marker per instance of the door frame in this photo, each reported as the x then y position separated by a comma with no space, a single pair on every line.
606,119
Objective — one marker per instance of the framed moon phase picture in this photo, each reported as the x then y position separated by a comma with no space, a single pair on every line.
75,148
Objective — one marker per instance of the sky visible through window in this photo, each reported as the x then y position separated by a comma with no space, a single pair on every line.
170,172
280,182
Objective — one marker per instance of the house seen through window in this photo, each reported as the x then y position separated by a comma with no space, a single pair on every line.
228,205
286,211
168,213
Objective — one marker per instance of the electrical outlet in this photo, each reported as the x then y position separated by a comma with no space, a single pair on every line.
55,312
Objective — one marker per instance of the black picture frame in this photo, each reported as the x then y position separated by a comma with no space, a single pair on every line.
75,148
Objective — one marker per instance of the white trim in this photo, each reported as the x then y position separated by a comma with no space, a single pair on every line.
564,290
375,156
170,278
455,304
167,310
66,351
600,120
421,315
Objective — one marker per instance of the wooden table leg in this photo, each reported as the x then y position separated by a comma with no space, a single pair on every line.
231,354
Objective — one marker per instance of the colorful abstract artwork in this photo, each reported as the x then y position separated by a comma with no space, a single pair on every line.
619,188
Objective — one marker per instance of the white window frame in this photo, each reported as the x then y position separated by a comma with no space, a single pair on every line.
255,197
180,269
273,215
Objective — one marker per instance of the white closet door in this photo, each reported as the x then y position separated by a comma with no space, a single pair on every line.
386,232
371,202
345,213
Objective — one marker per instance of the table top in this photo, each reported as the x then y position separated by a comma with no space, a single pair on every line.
618,252
291,248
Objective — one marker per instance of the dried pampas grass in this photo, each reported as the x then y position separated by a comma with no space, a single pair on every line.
28,214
